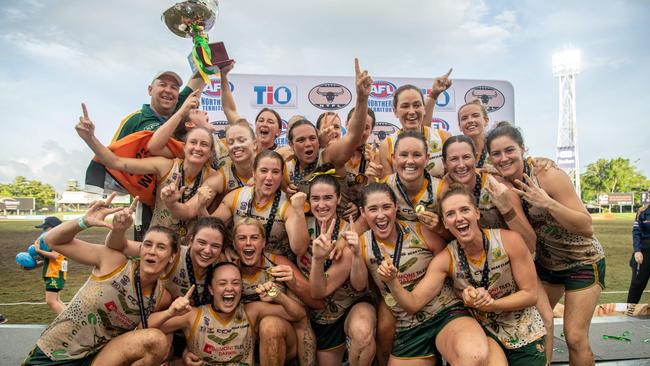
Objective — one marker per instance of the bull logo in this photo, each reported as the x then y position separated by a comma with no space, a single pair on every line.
383,130
491,98
330,96
219,128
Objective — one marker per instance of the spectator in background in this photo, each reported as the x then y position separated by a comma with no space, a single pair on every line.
55,267
640,261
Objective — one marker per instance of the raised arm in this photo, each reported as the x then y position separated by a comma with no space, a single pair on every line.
556,194
116,238
62,239
426,290
171,195
196,82
296,224
179,315
158,143
154,165
227,99
323,283
440,84
339,152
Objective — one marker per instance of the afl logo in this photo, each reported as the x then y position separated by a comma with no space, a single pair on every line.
440,124
492,99
383,130
330,96
382,89
219,128
213,89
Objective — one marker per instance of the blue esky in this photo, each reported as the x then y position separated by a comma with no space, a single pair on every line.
55,54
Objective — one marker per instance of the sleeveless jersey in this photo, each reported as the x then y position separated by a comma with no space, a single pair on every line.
161,214
278,241
490,216
177,281
413,264
220,153
406,212
342,298
513,328
350,187
557,248
219,341
260,276
103,308
232,180
434,141
302,182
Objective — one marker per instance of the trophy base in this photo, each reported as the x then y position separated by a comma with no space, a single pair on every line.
218,60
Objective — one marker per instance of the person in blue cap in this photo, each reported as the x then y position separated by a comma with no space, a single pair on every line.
55,267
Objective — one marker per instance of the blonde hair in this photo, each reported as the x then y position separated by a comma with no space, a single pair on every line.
249,221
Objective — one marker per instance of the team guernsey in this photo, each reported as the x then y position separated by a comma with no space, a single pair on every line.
355,178
219,341
177,280
513,329
342,298
557,248
299,174
243,205
232,180
161,214
103,308
434,140
490,216
259,276
413,263
428,196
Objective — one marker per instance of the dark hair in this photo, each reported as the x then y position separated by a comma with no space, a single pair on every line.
268,154
403,88
276,114
210,274
377,187
209,222
299,123
242,123
411,134
454,139
453,190
171,234
180,131
475,102
504,128
371,113
325,179
321,116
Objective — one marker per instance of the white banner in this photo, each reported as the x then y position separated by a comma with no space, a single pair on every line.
312,95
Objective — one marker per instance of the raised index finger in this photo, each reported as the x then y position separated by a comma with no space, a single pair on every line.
134,203
330,230
449,72
84,110
110,199
357,69
189,292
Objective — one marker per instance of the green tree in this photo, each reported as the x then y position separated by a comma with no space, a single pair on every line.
22,187
614,175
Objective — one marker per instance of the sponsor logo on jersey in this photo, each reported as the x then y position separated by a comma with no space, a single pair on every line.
274,95
330,96
381,89
491,98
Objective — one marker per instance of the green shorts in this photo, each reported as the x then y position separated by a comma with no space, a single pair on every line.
420,341
54,284
532,354
332,336
37,358
576,278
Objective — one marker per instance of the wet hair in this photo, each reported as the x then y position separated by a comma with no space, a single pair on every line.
455,189
171,235
325,179
403,88
411,134
249,221
299,123
208,222
454,139
213,269
242,123
371,113
475,102
268,154
276,114
504,128
320,118
377,187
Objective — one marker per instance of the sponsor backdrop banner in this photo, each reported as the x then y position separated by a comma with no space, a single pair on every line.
312,95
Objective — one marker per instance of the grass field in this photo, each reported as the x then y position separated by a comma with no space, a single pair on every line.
18,285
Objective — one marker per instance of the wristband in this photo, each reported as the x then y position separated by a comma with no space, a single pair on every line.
82,224
511,214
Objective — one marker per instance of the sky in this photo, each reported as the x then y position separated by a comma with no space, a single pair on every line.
54,54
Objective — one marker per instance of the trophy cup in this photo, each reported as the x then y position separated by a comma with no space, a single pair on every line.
192,19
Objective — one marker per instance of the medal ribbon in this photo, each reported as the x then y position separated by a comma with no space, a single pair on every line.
272,214
485,276
405,196
477,189
234,174
396,255
144,312
205,296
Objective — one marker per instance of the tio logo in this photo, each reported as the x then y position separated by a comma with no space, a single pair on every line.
445,101
274,95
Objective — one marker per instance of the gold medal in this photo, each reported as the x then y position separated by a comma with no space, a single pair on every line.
306,207
390,300
273,292
419,209
361,179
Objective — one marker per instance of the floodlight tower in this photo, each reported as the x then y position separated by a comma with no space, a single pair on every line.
566,65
